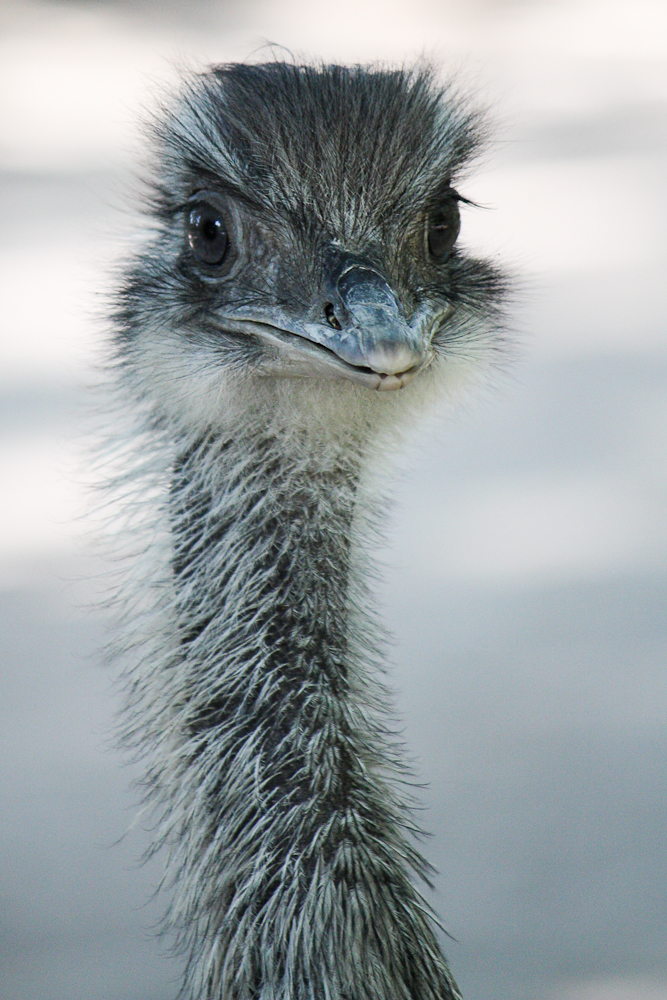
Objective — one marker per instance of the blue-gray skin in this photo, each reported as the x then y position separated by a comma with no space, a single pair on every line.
303,256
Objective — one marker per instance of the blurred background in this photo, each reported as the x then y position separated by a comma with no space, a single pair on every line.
525,575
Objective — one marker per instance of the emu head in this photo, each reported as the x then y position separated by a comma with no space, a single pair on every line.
306,223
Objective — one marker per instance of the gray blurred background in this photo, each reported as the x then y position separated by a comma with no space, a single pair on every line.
525,576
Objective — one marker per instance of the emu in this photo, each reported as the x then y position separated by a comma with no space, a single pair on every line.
298,300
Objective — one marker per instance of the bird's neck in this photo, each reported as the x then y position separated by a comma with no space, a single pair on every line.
291,859
261,561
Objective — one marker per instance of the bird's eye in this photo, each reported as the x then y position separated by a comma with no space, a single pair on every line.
207,233
442,230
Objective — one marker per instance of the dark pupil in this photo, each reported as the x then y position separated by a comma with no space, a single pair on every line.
442,232
207,234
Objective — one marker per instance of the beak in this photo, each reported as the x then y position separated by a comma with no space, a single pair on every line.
360,333
368,328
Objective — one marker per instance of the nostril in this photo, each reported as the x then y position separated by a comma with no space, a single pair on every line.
330,314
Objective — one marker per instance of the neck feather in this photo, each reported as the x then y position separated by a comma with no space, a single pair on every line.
290,856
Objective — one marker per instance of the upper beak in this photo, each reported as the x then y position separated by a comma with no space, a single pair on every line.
368,327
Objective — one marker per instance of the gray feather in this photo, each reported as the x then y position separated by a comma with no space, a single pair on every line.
251,498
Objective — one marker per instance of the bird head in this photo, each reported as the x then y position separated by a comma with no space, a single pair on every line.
306,226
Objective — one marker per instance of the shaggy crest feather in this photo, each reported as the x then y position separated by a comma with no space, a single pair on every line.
252,453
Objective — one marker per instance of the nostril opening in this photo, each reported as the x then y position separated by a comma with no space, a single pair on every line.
330,314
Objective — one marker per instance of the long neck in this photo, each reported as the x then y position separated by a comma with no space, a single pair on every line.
291,864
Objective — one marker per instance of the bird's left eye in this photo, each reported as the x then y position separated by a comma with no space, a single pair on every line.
442,230
207,233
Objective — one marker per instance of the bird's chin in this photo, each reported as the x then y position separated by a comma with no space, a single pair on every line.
288,355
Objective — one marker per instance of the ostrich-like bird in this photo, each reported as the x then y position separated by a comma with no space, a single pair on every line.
300,299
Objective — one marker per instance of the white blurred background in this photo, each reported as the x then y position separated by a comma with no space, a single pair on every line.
525,579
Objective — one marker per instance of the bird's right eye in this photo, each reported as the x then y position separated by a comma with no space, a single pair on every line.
442,230
207,233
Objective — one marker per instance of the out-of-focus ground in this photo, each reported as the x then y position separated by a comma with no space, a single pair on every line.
525,576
